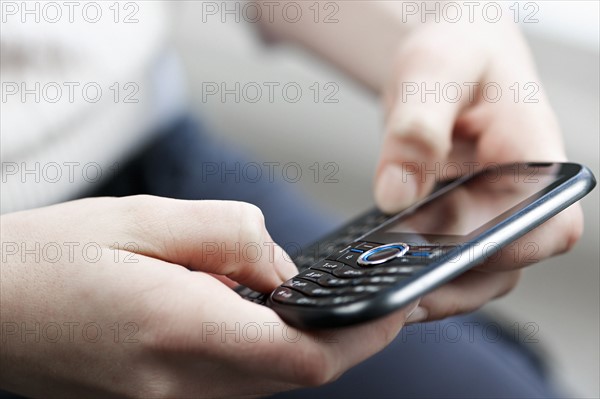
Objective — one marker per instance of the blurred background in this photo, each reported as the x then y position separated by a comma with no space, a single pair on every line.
560,297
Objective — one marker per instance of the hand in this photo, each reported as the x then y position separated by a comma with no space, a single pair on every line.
428,139
129,297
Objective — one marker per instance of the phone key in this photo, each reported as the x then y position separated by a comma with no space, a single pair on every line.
320,291
284,294
254,294
333,255
365,289
261,300
392,270
426,251
291,297
419,253
378,280
308,288
367,246
330,281
341,300
312,275
244,291
327,266
349,272
408,261
297,283
349,258
306,301
417,247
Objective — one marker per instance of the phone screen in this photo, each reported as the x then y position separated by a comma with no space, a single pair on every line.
469,206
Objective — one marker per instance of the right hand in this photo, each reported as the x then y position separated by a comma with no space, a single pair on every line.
165,323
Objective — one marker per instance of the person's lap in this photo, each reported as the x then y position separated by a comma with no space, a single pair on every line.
468,356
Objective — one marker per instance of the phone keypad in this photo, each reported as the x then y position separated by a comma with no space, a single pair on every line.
330,274
340,279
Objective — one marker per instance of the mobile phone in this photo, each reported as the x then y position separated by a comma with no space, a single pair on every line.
379,263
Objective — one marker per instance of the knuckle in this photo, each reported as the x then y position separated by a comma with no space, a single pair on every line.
420,49
451,304
495,154
251,222
453,307
510,283
423,136
147,217
389,330
139,208
314,368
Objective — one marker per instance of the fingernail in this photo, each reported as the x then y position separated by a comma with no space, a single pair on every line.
418,315
286,269
395,189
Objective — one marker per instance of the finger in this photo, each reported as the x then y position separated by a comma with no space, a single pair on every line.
220,237
516,123
465,294
418,132
239,330
508,132
322,357
556,236
225,280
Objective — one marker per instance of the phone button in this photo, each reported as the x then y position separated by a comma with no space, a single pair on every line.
350,257
308,288
366,246
382,254
349,272
288,296
331,281
392,271
312,275
327,266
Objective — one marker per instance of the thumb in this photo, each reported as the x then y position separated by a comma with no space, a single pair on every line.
225,238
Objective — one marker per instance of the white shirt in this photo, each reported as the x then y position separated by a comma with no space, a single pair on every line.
83,86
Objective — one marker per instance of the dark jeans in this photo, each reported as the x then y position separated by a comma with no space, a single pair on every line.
468,356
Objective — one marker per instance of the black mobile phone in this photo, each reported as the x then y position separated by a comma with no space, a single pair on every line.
377,263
